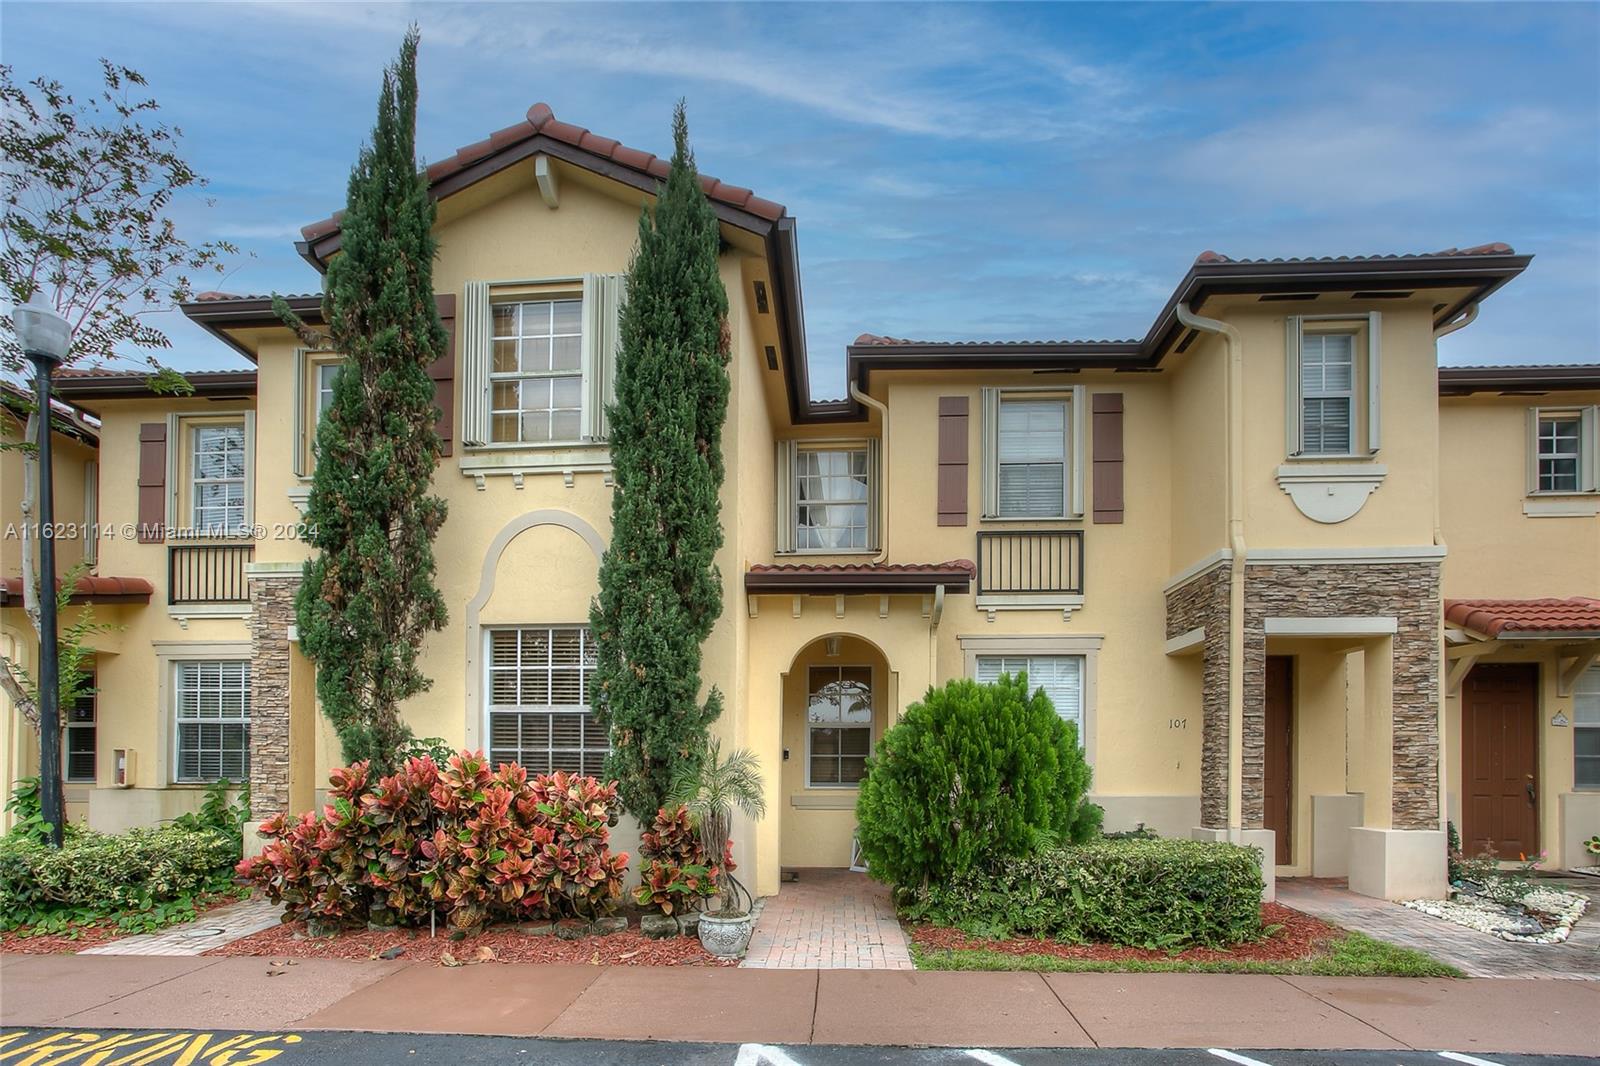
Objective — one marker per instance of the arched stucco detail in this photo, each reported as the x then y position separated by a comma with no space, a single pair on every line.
491,567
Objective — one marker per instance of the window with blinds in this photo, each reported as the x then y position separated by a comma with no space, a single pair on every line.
217,472
1061,677
1032,456
212,717
1586,729
1327,393
539,688
78,739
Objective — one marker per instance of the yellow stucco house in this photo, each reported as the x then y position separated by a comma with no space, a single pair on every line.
1298,586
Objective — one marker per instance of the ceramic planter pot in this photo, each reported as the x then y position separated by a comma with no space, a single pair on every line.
726,938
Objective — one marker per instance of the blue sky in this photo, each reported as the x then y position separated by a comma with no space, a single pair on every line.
957,171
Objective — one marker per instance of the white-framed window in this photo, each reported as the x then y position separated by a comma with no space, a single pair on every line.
536,372
211,718
827,496
1586,729
538,367
1563,450
831,499
1327,393
1061,677
217,464
538,689
78,736
326,372
1333,382
1033,453
838,725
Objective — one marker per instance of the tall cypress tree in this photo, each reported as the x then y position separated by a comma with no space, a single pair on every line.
660,591
368,596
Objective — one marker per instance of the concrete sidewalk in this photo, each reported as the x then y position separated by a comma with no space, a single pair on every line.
870,1007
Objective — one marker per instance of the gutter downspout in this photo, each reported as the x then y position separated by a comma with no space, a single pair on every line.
883,470
1464,320
1233,425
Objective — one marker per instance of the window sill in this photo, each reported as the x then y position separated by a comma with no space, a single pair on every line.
1026,519
516,460
825,798
1561,505
813,553
1334,457
209,610
1066,603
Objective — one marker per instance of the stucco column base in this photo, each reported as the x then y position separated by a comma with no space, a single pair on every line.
1398,863
1265,841
1579,816
254,842
1332,818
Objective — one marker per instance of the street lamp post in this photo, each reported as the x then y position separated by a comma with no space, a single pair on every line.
44,337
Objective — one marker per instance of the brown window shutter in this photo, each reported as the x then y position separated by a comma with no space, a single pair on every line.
152,482
952,460
443,372
1107,426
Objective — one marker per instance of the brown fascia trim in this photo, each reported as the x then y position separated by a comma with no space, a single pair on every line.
220,384
1465,380
217,317
814,584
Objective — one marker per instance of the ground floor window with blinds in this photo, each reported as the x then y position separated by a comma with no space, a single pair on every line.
539,689
1061,677
78,741
212,715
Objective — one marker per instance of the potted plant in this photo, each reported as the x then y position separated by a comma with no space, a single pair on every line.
712,790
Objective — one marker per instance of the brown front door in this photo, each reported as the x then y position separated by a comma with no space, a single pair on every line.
1279,785
1499,760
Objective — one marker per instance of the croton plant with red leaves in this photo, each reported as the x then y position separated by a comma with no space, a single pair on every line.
676,875
465,842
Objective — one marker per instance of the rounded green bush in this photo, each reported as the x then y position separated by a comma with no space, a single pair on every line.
972,774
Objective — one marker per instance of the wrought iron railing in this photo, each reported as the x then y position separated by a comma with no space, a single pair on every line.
208,573
1031,562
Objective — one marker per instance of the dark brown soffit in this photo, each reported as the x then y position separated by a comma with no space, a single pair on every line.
1465,380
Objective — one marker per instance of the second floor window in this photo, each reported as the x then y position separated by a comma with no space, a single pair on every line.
1560,452
326,372
536,372
831,499
1327,393
1032,458
217,472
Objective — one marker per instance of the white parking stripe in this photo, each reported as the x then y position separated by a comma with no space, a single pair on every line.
754,1054
1456,1056
989,1058
1233,1056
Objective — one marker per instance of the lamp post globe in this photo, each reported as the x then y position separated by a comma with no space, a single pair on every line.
44,337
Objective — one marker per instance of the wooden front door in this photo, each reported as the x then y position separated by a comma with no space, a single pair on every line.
1278,788
1500,760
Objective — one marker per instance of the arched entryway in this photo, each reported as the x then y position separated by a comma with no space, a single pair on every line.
838,699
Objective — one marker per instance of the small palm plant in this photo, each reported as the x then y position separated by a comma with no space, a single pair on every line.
713,789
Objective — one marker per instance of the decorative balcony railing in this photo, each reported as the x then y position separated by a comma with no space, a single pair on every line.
1031,562
208,573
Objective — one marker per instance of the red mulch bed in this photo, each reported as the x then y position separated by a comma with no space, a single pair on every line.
15,942
495,944
1300,937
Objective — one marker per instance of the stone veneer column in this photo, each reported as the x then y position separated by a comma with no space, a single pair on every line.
271,616
1203,603
1407,591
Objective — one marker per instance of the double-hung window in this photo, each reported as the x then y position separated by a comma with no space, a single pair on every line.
326,372
536,376
1586,729
827,496
838,725
539,689
1564,450
217,478
211,713
1327,393
1061,677
78,741
1033,453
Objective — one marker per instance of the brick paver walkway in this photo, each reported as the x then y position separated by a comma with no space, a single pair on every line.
211,930
1475,954
829,919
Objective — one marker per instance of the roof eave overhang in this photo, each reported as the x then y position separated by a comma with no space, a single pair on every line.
223,385
1530,380
810,584
1547,635
220,317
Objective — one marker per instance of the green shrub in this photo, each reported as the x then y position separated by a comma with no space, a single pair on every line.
97,875
972,775
220,815
465,842
1156,894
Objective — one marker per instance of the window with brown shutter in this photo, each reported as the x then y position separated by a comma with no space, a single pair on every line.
443,372
1107,431
952,460
152,482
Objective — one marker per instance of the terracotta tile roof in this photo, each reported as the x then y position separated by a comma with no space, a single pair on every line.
89,588
224,297
873,340
1208,257
541,120
108,372
1578,614
953,566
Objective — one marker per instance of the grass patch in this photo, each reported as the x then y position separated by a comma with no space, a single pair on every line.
1351,955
